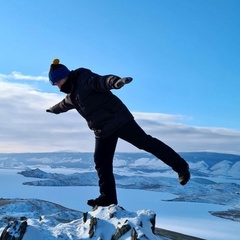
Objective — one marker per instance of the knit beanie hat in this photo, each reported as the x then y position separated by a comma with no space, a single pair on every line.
57,71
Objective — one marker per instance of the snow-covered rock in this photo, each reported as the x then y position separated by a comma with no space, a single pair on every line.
49,221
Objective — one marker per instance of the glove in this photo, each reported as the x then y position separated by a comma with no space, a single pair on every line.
51,111
121,82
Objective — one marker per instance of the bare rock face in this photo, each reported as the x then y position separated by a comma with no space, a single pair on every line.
15,230
121,231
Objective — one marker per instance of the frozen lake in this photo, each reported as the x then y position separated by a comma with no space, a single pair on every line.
188,218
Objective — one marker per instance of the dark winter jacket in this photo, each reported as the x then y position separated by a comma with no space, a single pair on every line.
91,96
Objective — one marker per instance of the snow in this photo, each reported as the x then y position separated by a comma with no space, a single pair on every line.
192,218
234,171
57,222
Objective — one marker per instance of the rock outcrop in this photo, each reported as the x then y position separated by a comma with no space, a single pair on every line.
45,220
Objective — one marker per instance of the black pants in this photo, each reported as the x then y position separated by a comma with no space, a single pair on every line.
132,133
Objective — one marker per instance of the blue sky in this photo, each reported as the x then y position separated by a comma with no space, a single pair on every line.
183,55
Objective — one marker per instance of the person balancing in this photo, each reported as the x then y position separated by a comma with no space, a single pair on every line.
109,118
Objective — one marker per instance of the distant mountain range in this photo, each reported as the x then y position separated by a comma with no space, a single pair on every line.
201,163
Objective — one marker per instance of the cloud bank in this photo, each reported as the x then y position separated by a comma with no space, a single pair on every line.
26,127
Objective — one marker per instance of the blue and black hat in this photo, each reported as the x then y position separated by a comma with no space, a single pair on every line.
57,71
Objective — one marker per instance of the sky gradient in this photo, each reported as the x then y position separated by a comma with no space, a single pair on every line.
182,55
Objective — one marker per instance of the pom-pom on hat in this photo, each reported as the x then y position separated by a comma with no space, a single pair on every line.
57,71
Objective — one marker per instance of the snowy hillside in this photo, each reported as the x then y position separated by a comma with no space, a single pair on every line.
40,220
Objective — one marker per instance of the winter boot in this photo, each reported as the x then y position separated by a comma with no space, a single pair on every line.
184,176
101,201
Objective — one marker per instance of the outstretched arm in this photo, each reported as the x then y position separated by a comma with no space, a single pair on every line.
63,106
117,83
102,83
108,82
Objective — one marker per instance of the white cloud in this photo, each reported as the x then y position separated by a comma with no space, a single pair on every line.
19,76
191,138
153,117
26,127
